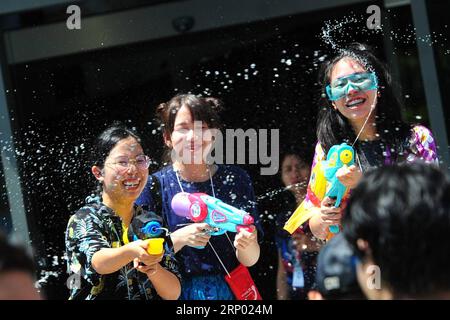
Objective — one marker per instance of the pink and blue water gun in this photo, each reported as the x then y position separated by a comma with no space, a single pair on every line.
200,207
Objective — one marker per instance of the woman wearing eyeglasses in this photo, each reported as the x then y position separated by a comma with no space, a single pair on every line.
361,108
102,264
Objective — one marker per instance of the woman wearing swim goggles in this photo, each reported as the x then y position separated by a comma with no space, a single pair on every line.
358,81
362,109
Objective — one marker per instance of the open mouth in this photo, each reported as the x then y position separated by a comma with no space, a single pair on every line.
131,184
355,102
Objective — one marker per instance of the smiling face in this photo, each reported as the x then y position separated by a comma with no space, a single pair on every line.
190,140
120,182
356,104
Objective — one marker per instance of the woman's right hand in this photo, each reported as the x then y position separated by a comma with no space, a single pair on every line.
194,235
140,254
328,215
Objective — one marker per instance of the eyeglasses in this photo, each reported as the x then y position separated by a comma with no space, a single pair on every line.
142,162
359,81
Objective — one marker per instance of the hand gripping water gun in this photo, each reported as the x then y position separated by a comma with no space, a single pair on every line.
323,183
146,226
200,207
338,157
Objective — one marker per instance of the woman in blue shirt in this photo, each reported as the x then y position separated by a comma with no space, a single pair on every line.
187,121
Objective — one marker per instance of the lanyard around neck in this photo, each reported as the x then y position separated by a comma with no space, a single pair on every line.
210,180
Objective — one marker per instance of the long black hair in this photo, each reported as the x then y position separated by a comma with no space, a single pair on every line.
333,128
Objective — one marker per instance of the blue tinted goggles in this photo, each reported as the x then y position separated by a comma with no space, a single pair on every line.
358,81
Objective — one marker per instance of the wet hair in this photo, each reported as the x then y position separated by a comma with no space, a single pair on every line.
13,258
333,128
403,212
107,140
205,109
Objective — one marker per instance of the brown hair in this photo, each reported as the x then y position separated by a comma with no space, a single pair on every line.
205,109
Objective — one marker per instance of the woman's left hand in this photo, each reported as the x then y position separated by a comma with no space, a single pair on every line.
150,265
349,176
149,270
244,238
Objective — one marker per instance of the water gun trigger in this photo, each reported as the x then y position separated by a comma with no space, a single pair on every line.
334,202
215,231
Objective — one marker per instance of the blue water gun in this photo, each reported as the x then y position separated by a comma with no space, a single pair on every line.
146,226
338,156
200,207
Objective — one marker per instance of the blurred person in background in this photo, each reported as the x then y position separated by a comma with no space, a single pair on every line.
297,253
17,273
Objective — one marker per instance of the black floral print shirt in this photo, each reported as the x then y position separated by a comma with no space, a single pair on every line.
95,227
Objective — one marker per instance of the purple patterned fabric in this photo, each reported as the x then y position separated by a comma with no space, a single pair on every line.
422,146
